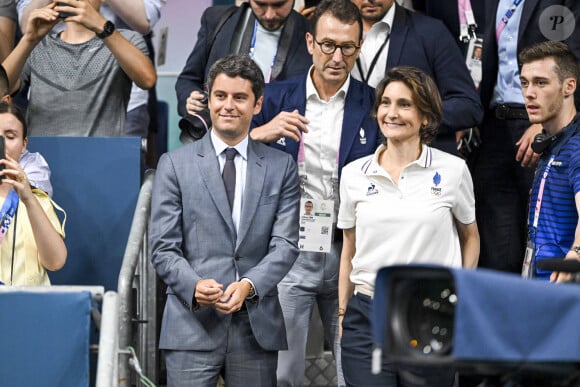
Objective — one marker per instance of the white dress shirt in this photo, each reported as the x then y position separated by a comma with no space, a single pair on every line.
373,40
240,161
322,142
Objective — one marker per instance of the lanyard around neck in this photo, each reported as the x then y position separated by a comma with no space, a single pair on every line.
504,20
538,206
267,77
366,78
467,24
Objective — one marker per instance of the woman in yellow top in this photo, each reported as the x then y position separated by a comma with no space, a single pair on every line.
37,245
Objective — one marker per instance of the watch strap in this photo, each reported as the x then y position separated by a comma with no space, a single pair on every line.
108,29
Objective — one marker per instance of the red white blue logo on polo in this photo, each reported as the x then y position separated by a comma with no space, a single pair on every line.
436,190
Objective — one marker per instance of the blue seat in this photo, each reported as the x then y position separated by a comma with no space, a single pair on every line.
96,180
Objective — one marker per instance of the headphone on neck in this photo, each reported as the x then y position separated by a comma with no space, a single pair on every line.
543,141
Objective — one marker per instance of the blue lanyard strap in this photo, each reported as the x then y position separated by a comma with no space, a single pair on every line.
7,212
504,20
267,77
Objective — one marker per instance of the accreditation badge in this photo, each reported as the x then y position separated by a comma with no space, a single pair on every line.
473,60
316,225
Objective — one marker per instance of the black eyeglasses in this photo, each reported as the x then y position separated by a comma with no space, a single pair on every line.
328,48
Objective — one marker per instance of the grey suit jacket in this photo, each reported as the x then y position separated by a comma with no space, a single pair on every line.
192,237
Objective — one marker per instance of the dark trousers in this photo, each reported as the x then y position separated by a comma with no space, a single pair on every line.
357,349
502,189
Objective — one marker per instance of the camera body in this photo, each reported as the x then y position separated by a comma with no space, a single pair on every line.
194,126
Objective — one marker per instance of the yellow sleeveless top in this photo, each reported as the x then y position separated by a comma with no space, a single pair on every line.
27,269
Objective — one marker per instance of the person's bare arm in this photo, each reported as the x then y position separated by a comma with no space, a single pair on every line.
345,287
133,61
25,14
52,251
7,30
469,240
526,156
133,14
40,23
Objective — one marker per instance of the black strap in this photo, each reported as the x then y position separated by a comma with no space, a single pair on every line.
283,47
246,31
364,78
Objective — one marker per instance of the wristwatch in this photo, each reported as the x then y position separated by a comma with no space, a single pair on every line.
252,292
108,29
575,249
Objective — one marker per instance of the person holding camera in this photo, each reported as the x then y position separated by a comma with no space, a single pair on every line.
84,72
549,78
270,31
31,236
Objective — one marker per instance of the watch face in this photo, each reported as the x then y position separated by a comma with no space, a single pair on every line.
108,29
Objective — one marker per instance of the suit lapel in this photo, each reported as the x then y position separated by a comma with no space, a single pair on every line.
351,122
399,31
255,175
283,47
209,171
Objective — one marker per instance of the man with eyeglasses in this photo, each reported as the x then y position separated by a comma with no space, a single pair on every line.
323,119
395,36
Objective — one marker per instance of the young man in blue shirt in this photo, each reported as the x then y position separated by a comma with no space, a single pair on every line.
549,77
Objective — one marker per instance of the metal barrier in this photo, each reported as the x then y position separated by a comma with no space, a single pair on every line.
107,364
137,293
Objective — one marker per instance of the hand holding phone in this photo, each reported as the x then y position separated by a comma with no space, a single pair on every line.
62,14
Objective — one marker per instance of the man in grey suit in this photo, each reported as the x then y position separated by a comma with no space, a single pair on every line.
222,249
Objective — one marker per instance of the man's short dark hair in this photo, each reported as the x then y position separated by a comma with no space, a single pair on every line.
344,10
238,65
566,61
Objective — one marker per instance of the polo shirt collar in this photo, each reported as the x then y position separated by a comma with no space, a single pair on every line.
373,166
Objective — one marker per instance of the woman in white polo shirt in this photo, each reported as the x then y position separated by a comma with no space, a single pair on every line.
407,203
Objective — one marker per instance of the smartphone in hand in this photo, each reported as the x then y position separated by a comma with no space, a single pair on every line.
61,14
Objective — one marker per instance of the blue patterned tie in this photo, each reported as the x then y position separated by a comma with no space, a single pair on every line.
229,175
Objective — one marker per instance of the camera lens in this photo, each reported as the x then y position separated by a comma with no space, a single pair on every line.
422,317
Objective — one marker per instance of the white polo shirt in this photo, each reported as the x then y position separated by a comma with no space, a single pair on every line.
412,222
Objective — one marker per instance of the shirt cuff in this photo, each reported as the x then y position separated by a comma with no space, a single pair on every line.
253,287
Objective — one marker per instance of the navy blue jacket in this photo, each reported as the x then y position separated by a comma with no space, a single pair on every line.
360,132
292,57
